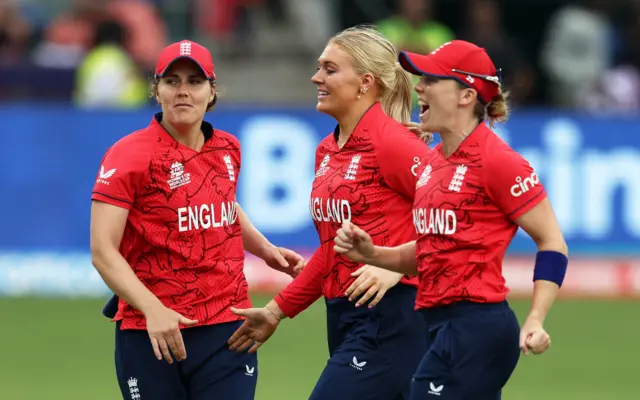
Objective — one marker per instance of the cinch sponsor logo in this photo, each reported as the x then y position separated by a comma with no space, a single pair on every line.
329,210
522,186
206,216
434,221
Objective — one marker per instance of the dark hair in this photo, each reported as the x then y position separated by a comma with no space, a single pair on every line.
153,89
109,32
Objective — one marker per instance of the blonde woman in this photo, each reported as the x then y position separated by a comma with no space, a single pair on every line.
365,172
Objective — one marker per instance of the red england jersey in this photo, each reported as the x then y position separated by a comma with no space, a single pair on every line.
464,212
371,182
182,238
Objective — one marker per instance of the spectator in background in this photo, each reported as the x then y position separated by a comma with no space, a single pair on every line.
485,27
14,32
414,27
70,35
314,21
108,77
578,49
146,31
617,91
229,22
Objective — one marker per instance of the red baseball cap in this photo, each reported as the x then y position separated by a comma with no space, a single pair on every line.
189,50
460,60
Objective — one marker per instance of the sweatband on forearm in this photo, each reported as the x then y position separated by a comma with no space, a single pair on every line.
550,266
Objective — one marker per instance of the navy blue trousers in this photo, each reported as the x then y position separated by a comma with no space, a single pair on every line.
474,349
211,370
373,352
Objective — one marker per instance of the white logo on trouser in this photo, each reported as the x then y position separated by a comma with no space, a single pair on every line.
133,388
357,365
435,390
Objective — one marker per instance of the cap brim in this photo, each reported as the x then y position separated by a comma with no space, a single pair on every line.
164,71
418,64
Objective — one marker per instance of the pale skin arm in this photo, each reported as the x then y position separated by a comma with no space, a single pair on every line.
541,225
400,259
278,258
357,245
253,241
259,325
107,227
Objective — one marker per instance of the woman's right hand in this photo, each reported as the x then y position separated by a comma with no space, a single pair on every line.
354,243
257,328
163,326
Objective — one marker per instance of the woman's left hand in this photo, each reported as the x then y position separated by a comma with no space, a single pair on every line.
372,281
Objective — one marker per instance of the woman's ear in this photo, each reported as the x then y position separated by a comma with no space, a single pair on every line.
213,93
156,95
367,82
468,96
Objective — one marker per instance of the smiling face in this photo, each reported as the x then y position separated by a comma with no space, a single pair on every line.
440,103
184,94
337,81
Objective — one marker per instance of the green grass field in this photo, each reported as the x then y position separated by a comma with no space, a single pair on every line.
63,349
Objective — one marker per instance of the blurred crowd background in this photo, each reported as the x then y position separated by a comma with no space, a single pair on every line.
572,54
74,79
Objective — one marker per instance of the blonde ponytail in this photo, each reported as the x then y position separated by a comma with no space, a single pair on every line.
396,94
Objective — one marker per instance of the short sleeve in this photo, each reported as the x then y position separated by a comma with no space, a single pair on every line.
400,153
119,176
512,183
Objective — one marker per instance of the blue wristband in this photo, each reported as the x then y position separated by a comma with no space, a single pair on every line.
550,266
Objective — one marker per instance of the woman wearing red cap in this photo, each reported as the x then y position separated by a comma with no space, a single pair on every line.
167,237
473,192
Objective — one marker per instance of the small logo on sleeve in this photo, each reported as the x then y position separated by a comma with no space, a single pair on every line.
104,175
414,168
522,186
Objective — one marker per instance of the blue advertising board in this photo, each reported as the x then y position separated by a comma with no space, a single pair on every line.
50,155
